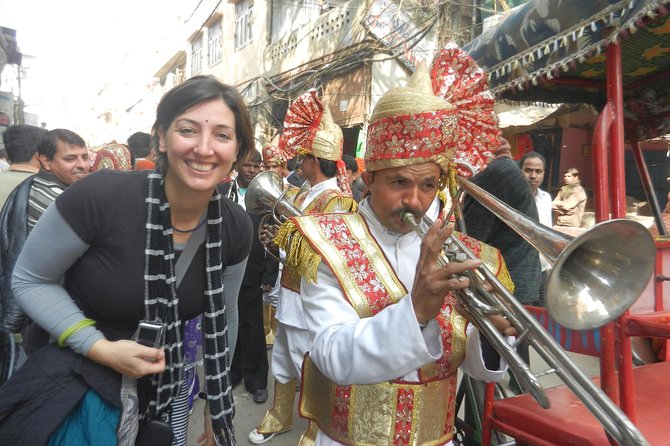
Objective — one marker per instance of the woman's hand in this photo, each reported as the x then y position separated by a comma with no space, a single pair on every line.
128,357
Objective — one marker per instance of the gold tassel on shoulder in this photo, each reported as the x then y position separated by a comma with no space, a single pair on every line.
442,196
299,253
341,204
506,279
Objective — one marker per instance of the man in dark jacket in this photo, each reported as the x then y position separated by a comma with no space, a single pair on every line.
64,159
503,179
250,361
295,177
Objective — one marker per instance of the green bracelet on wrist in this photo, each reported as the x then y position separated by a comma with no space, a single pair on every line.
72,329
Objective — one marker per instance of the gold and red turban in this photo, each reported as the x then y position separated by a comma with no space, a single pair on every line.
112,156
445,116
272,153
309,129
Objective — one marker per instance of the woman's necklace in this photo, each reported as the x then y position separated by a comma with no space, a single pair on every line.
193,229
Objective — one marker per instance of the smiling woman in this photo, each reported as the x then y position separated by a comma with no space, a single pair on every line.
114,235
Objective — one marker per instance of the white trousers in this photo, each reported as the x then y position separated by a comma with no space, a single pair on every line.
288,352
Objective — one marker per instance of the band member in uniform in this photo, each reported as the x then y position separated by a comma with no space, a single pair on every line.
309,131
388,335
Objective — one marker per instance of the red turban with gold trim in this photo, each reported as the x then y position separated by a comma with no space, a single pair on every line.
444,117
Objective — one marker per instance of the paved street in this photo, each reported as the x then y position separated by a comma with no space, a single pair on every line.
249,414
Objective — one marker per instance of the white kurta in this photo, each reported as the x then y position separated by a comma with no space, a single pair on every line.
289,309
386,346
543,202
292,339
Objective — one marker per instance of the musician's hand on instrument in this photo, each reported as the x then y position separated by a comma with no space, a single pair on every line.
488,286
503,325
267,234
432,281
499,321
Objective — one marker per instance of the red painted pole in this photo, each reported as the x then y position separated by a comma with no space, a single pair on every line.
618,201
608,379
600,164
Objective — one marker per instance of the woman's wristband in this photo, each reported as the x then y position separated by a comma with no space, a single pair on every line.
72,329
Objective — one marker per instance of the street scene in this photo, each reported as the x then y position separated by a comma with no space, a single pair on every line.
335,222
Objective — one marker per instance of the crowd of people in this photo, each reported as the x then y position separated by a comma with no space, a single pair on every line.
129,268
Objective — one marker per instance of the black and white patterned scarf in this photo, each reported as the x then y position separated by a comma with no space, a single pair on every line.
161,303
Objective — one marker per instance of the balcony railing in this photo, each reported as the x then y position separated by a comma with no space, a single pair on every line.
335,30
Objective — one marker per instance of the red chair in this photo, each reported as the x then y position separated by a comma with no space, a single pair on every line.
568,421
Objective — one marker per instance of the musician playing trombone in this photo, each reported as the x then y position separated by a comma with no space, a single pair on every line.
388,336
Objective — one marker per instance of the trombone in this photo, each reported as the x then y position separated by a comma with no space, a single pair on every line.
595,277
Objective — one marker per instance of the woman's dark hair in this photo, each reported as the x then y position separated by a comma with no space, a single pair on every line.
195,91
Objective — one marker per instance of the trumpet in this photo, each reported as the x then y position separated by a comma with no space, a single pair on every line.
594,258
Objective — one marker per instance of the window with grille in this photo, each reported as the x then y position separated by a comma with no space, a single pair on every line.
196,55
243,34
215,36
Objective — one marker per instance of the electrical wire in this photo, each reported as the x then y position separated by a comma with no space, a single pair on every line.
344,57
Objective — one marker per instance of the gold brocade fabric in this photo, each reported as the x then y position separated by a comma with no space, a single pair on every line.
112,156
328,139
271,152
280,417
392,413
308,438
444,117
415,98
453,330
386,413
356,244
491,258
330,200
411,125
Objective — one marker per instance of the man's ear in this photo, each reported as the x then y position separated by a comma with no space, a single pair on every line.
44,162
368,177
